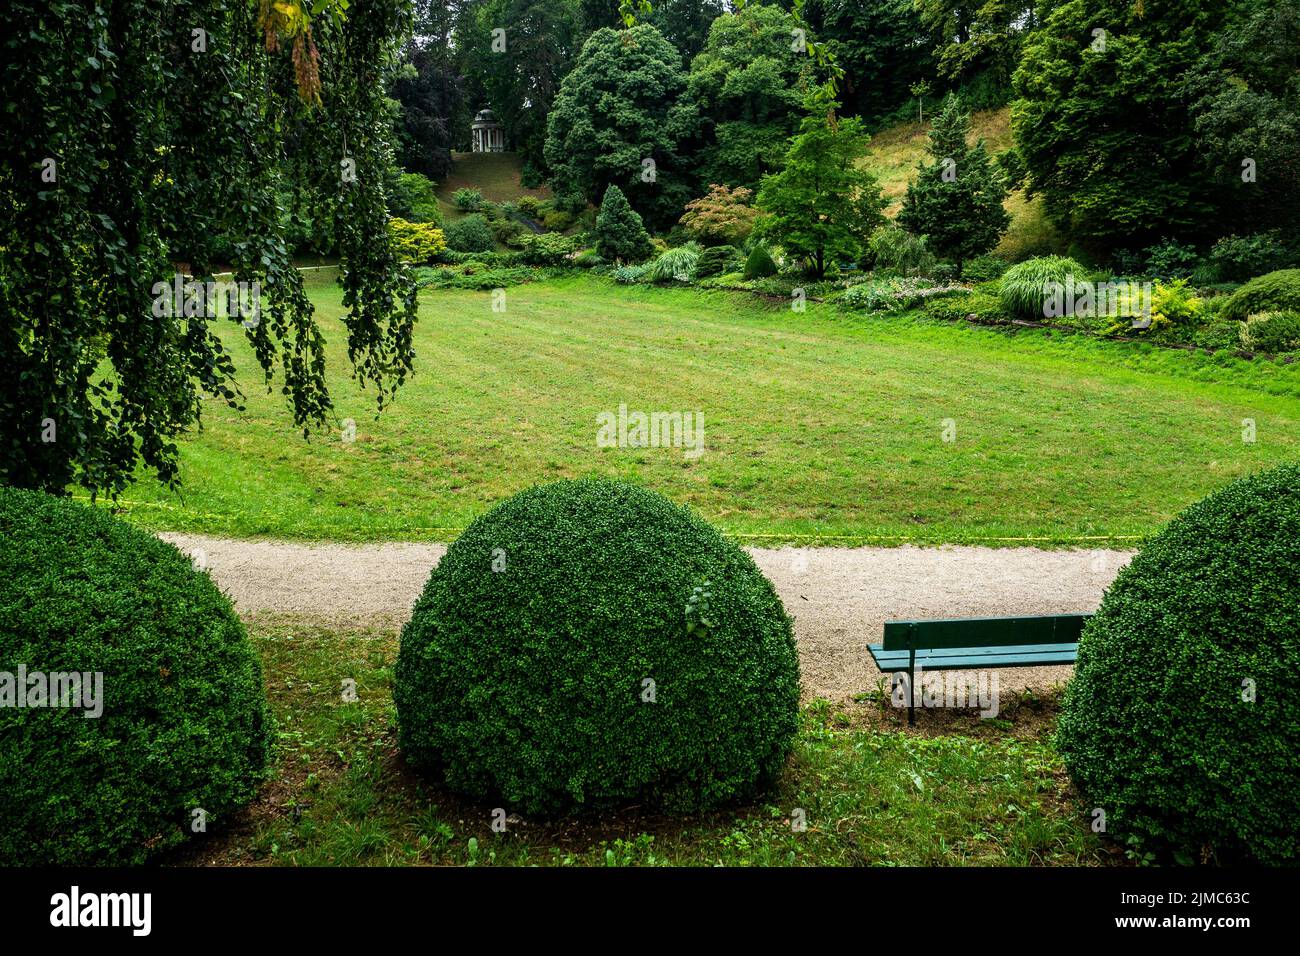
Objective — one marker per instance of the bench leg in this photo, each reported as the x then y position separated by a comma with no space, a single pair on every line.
911,689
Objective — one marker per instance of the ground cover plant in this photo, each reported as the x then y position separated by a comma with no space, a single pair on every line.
964,792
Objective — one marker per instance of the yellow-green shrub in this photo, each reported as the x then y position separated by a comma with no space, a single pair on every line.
416,242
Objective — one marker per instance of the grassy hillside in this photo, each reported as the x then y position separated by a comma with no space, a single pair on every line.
893,156
495,175
816,424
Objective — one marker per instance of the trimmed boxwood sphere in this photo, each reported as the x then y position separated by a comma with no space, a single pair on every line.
184,724
523,672
1158,729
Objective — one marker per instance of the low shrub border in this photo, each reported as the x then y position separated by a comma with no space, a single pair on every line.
951,307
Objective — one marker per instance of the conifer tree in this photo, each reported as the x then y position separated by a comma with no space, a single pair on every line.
620,235
956,199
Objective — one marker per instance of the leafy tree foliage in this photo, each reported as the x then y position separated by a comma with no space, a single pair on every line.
685,23
881,46
412,197
721,217
1246,105
620,119
971,37
464,49
597,14
956,199
133,143
430,97
620,234
1101,121
823,207
748,84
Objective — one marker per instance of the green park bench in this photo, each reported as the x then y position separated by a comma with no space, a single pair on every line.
976,643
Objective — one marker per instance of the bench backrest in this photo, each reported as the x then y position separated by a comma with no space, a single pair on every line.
984,631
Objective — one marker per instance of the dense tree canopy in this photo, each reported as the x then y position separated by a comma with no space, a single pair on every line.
136,140
620,119
597,14
430,92
1246,104
520,68
1101,119
881,46
685,23
748,84
971,37
430,97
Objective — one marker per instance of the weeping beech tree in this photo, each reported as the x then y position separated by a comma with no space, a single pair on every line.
141,138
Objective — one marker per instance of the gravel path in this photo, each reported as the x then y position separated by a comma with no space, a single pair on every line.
839,597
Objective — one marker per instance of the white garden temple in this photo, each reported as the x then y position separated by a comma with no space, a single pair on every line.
486,134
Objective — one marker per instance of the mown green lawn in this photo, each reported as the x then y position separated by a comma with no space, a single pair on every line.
860,788
823,424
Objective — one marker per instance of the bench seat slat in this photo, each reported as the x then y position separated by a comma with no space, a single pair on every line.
976,651
979,663
928,658
969,658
